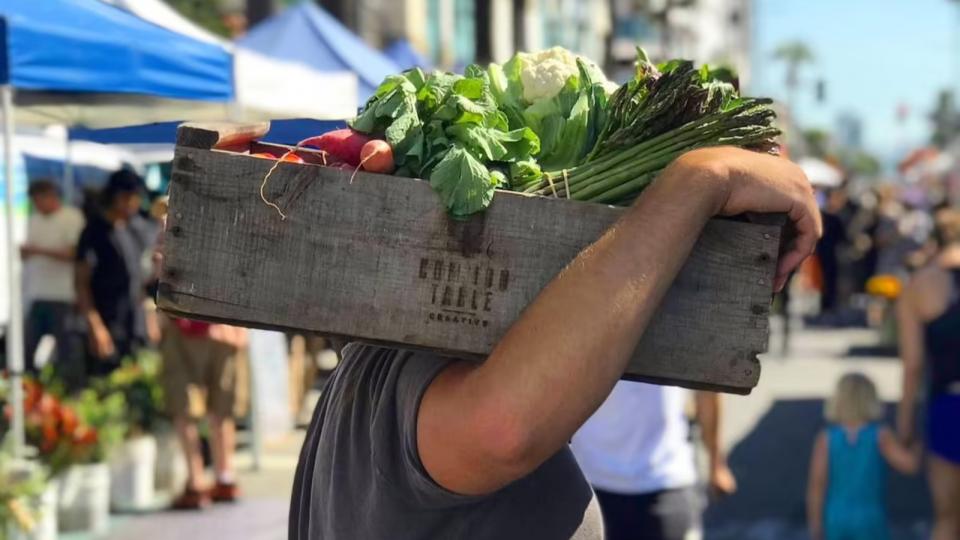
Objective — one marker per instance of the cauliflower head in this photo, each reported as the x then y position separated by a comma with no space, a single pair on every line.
544,73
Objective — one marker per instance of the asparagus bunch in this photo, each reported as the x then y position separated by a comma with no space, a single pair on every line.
654,119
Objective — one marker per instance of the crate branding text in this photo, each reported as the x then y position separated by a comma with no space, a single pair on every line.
460,292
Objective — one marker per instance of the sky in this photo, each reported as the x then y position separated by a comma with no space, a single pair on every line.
872,54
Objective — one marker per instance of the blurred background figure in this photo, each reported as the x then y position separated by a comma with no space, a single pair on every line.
636,452
201,364
929,321
48,255
204,375
833,240
110,281
846,491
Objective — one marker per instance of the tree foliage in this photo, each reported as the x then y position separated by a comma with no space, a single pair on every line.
205,13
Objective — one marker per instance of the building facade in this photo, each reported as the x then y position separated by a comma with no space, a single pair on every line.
706,31
454,33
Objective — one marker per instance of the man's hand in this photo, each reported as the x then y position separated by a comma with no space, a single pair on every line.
101,342
27,251
722,481
482,426
748,181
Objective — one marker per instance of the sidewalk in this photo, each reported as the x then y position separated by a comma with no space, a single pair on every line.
260,515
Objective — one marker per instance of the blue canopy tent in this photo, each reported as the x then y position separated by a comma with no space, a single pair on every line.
86,62
405,56
310,35
281,131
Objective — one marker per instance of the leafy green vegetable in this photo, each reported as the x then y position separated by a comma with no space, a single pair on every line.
449,128
464,184
545,123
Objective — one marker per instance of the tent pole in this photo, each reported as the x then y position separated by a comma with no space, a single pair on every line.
68,170
15,324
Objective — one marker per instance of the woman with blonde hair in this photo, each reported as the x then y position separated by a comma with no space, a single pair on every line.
845,492
928,315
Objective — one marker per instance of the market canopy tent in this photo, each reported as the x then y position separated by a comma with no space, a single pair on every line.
289,131
86,62
267,87
307,34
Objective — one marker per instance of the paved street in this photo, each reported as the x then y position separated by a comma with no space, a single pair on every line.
769,434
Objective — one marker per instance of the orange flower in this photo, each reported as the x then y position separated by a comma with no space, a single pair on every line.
68,420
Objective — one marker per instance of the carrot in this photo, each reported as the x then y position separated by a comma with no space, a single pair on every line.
377,156
343,144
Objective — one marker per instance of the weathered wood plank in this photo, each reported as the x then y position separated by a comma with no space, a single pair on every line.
378,260
224,135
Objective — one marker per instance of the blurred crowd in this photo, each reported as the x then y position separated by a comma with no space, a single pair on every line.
90,277
874,237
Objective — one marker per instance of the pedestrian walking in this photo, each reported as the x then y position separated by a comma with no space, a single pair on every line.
110,280
48,253
928,316
642,466
200,378
845,493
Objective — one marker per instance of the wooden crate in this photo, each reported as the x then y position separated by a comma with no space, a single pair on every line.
378,260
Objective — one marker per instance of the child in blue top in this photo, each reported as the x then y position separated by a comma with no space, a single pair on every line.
845,493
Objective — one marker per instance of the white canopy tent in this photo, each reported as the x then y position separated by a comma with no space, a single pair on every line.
267,88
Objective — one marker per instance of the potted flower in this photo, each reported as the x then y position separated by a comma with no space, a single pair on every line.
27,506
133,463
51,429
84,483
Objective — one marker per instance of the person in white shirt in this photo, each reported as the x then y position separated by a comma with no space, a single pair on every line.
637,454
48,253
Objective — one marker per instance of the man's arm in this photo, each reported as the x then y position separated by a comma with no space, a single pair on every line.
817,486
63,254
100,339
709,409
483,426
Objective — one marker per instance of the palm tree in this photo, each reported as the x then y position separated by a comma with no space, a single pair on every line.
794,54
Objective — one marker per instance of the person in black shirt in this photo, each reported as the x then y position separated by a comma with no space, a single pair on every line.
109,276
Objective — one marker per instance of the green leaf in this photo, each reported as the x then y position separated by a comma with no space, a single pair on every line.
499,179
474,71
470,88
464,184
572,141
525,171
436,89
393,98
416,77
521,144
482,142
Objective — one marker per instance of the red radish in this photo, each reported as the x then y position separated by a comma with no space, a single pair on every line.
377,156
343,144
